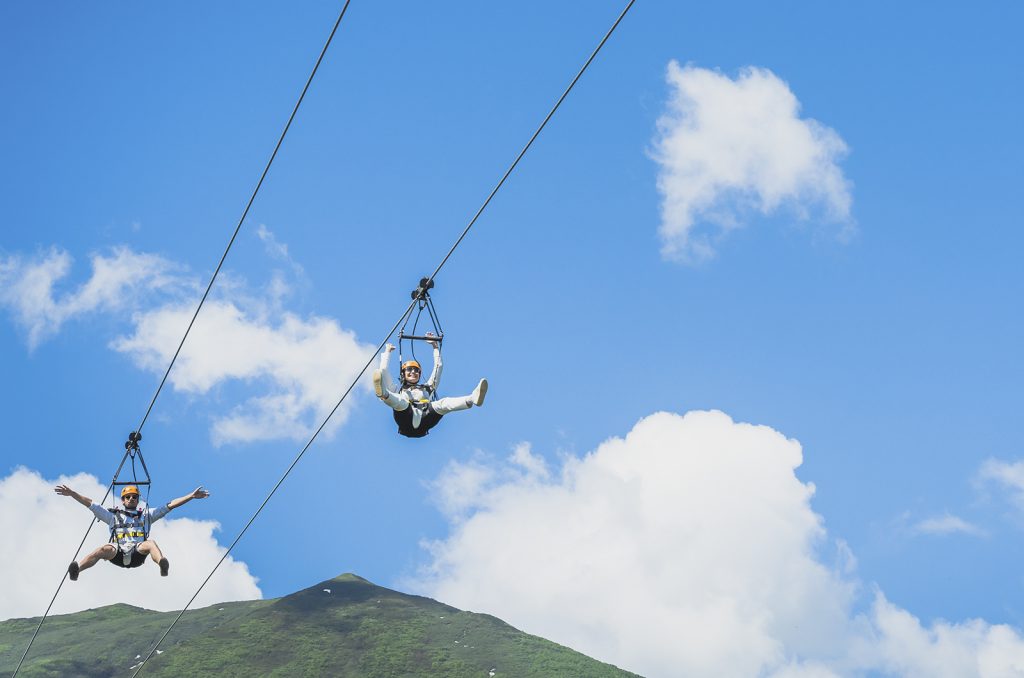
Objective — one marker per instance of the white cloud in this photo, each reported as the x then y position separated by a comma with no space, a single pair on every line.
27,287
304,364
1007,475
532,465
726,147
44,529
279,286
973,648
277,249
947,524
689,547
299,366
461,486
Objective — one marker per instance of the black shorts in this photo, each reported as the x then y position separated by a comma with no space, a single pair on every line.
429,420
136,558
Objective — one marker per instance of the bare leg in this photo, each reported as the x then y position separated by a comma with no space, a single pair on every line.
150,548
105,552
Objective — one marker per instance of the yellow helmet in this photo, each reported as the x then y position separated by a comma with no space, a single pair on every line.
129,489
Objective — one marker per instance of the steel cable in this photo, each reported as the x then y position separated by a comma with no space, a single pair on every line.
380,346
202,301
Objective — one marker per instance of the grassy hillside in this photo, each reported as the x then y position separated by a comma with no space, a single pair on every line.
355,629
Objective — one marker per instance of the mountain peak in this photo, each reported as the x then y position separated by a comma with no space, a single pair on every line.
345,626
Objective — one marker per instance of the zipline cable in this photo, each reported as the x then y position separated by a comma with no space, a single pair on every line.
245,212
64,577
280,481
530,142
220,264
380,346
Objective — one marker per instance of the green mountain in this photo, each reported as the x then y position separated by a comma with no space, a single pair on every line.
342,627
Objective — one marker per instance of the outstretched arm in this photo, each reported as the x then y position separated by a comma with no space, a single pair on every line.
198,493
435,374
66,491
385,357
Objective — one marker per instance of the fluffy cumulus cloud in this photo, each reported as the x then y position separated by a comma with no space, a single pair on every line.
42,524
688,547
303,364
297,365
728,147
901,646
28,287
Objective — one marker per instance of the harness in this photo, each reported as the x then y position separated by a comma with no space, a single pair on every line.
419,403
130,528
424,414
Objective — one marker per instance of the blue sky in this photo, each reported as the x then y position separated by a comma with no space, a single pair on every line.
882,332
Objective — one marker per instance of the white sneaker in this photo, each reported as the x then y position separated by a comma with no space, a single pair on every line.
378,384
479,393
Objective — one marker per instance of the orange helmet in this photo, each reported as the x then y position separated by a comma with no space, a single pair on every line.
412,363
129,489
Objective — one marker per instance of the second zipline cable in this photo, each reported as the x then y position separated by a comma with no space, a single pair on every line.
380,346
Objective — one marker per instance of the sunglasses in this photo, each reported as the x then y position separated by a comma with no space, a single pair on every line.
130,496
412,369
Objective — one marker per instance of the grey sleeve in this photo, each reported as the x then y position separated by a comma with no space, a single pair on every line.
102,514
159,512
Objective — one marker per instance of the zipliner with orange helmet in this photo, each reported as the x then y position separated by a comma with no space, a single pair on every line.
416,410
129,529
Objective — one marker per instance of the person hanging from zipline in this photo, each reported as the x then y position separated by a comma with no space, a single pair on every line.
129,529
416,410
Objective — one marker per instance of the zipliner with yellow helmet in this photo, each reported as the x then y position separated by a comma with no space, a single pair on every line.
416,408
